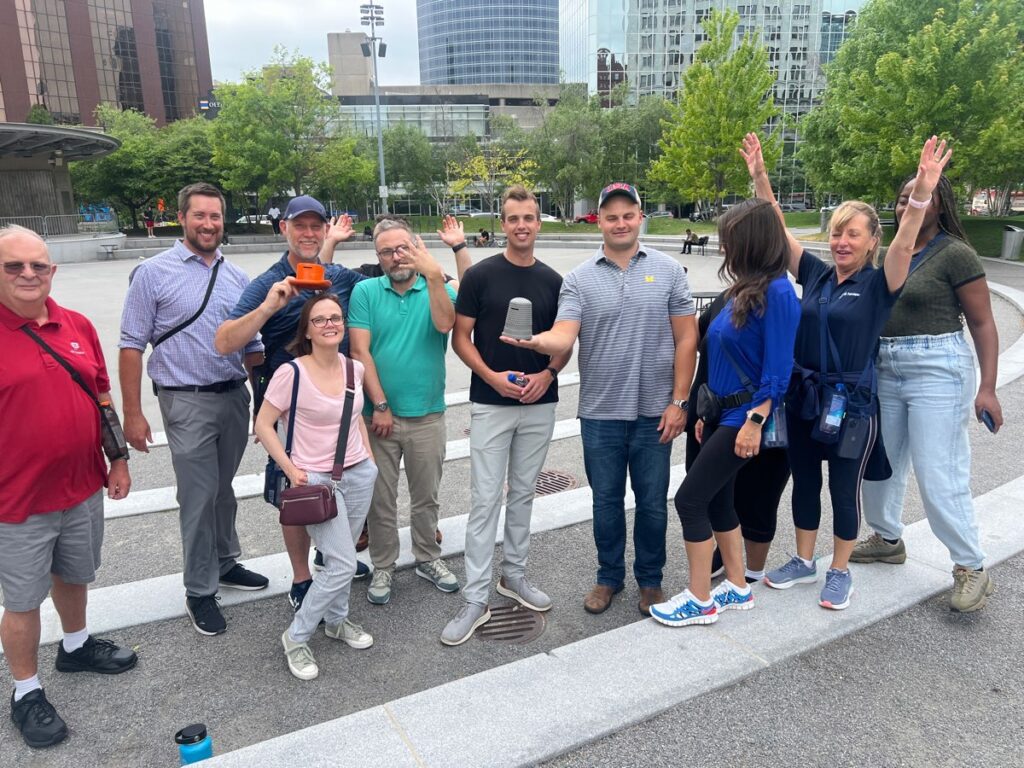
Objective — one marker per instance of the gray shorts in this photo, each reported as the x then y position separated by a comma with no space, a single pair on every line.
66,543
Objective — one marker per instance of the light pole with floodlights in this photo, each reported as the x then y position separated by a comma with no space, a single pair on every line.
372,16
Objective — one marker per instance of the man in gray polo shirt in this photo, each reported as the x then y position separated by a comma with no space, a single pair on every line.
630,307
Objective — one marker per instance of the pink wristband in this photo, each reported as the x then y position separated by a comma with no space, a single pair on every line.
918,203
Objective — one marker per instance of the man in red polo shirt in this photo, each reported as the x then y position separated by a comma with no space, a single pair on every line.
51,497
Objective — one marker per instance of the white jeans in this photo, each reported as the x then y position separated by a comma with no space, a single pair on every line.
926,388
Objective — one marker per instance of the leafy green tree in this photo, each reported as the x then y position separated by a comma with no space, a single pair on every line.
271,128
566,147
39,115
184,156
409,159
346,171
130,177
490,171
630,136
953,68
726,93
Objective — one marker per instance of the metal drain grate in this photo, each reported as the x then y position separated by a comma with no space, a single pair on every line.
512,623
555,481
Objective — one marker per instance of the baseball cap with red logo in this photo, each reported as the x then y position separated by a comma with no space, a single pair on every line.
618,188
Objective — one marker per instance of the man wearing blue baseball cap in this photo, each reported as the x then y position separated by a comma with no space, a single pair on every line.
631,309
271,306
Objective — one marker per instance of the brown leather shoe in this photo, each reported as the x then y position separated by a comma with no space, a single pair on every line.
650,596
438,536
599,598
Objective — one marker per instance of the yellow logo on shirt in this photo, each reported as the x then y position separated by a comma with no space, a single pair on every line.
649,279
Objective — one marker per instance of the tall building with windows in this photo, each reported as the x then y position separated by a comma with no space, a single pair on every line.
475,42
648,44
69,56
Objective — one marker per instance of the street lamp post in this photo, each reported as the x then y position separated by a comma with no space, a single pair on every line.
372,16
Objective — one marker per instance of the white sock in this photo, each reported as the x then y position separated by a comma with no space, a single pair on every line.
698,601
741,590
75,640
755,575
24,687
808,563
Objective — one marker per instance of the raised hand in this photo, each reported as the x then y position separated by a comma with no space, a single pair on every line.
934,157
419,259
452,231
340,229
751,151
280,294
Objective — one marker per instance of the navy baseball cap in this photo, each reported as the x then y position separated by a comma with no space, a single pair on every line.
304,204
618,188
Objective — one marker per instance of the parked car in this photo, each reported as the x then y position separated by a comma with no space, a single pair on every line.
548,217
587,218
464,210
660,215
254,219
481,214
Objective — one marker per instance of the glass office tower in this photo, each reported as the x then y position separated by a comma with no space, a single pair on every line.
648,44
147,55
473,42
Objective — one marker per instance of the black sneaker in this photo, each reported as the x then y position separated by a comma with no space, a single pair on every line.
205,614
100,656
318,560
362,569
240,577
38,721
298,593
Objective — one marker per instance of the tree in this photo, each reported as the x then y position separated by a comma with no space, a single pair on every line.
129,177
908,71
630,136
409,159
446,158
726,93
271,128
39,115
346,171
567,149
184,156
489,171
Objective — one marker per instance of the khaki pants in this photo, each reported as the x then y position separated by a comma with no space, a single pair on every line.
421,441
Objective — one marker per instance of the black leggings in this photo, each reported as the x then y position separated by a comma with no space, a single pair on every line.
758,488
844,477
705,499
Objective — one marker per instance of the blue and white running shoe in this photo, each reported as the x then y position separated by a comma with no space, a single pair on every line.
837,590
793,572
728,598
683,609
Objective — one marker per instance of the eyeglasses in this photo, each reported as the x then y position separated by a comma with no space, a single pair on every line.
320,322
39,268
387,253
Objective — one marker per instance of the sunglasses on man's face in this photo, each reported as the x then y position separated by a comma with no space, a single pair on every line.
39,268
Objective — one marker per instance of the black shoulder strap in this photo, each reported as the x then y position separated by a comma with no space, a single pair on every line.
346,420
744,379
199,312
63,364
291,409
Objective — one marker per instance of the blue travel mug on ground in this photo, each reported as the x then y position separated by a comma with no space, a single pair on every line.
194,744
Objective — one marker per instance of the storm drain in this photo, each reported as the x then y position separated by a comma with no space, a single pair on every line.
555,481
512,623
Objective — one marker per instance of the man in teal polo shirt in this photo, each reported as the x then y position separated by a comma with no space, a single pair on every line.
398,329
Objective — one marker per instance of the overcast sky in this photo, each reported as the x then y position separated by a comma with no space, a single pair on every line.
242,35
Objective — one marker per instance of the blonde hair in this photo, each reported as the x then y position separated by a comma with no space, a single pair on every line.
846,212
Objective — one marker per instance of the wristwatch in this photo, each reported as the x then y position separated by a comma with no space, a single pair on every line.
683,405
755,417
553,372
381,406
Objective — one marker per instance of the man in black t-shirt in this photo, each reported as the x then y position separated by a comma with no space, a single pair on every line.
512,420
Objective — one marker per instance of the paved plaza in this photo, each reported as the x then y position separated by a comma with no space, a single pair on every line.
896,680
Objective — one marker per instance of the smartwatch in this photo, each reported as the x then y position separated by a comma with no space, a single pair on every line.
755,417
458,246
683,405
381,406
553,372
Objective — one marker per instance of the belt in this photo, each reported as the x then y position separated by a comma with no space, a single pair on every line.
218,388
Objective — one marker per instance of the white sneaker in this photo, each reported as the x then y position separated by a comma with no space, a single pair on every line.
352,634
300,659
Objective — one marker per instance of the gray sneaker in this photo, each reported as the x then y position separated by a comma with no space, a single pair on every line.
793,572
437,573
300,659
353,635
875,549
970,590
379,591
837,591
461,628
523,592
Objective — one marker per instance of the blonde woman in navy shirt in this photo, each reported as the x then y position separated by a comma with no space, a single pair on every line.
833,406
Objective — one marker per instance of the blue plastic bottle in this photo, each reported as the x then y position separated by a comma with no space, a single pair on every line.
519,381
194,744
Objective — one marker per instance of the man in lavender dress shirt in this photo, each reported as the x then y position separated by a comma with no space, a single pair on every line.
176,301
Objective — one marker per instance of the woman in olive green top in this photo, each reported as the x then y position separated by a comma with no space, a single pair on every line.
926,384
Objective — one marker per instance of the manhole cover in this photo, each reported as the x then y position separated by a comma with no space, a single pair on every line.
555,481
512,623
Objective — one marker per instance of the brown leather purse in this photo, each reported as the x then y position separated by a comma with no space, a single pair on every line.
314,504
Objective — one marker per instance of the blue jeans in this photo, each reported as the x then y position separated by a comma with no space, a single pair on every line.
609,448
925,392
